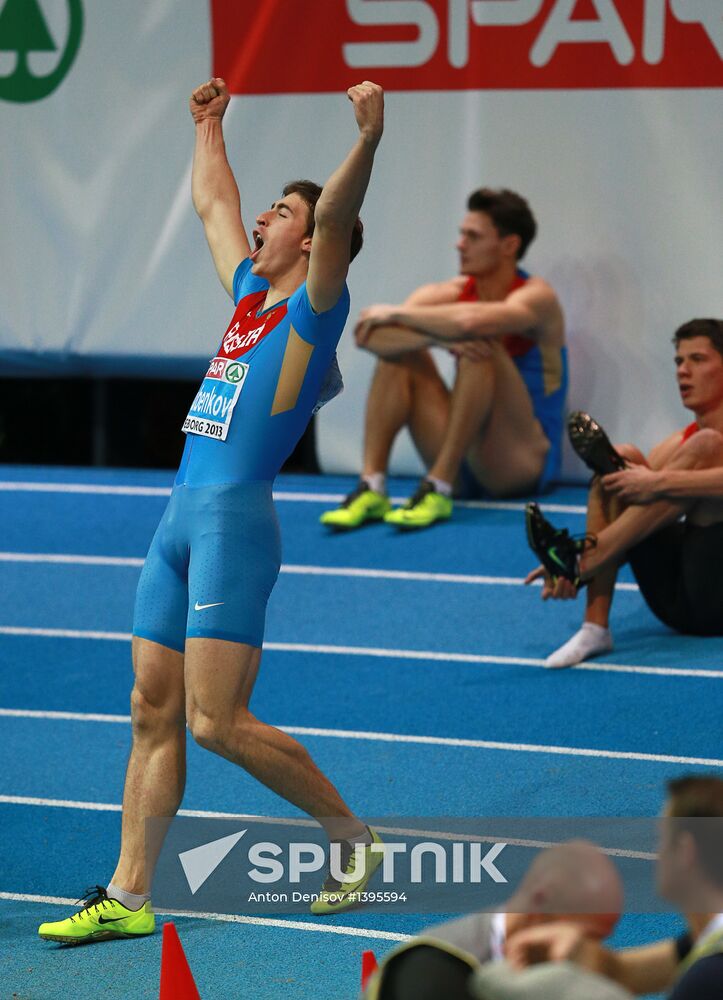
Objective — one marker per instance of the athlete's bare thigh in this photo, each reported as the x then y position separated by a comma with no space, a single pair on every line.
429,405
159,679
220,677
509,453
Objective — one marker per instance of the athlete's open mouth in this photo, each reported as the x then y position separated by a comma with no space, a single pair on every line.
258,244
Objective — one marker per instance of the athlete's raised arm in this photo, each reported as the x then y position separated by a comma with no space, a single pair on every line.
215,193
340,201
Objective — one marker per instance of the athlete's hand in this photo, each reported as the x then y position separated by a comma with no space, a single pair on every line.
368,101
369,319
473,350
557,587
210,100
636,485
552,942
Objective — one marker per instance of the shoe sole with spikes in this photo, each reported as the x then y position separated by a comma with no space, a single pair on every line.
593,445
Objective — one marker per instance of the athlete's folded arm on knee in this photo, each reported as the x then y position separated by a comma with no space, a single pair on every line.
663,481
702,477
528,310
691,484
374,332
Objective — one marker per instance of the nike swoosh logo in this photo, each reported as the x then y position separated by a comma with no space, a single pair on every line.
109,920
200,607
554,556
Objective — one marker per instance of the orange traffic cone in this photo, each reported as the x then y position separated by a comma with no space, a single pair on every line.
369,965
176,976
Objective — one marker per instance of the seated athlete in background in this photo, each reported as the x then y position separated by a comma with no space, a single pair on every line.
201,602
664,513
574,878
689,875
499,429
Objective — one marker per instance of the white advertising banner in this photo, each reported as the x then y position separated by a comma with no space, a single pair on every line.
606,114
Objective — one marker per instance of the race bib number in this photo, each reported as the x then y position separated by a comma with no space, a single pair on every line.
212,409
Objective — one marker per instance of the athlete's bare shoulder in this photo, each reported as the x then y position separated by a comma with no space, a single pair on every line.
540,298
541,289
438,293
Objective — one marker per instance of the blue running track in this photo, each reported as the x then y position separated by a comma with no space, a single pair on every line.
410,665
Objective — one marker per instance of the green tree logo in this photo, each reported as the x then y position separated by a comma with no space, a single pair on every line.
235,371
23,30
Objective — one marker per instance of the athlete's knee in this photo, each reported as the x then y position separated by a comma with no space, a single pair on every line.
703,449
395,369
155,713
206,730
631,453
220,731
475,368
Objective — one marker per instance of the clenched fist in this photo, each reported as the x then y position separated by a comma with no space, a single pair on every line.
210,100
368,101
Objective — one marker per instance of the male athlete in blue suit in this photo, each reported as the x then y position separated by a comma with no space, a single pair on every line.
201,601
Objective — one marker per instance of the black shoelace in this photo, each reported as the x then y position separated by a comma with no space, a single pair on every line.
422,490
361,487
95,896
347,852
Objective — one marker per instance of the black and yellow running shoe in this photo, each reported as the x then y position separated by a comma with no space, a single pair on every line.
360,507
555,547
335,895
425,507
100,918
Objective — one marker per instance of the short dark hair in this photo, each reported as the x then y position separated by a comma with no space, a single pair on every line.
698,797
509,212
310,192
710,328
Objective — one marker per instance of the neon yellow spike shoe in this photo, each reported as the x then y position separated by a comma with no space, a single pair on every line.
422,509
360,507
100,918
336,896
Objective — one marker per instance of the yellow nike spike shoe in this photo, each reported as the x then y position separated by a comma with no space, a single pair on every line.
360,507
335,895
426,507
100,918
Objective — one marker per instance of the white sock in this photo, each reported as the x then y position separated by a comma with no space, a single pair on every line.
131,900
591,640
376,481
440,485
361,838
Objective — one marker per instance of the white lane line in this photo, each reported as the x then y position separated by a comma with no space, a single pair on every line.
231,918
70,559
64,633
513,661
97,489
31,713
25,800
384,653
29,800
509,505
350,734
290,496
401,574
444,741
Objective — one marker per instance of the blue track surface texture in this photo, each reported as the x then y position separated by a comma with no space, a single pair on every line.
412,663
